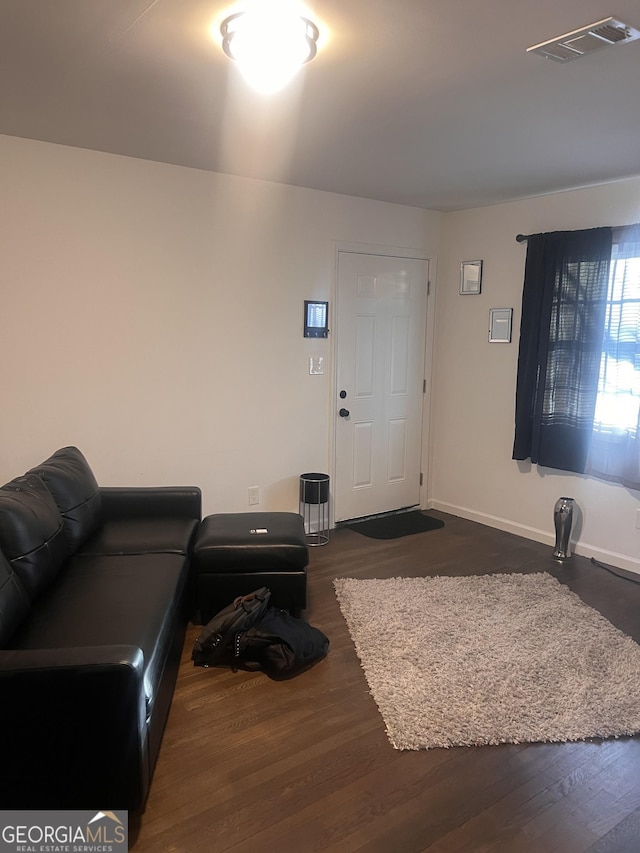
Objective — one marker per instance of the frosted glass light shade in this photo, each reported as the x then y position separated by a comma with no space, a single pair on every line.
270,42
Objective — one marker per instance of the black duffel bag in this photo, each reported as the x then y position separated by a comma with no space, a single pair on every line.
250,635
280,645
215,644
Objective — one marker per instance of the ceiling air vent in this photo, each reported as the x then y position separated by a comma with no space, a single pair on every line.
588,39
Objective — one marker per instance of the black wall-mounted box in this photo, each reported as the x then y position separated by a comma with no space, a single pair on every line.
316,319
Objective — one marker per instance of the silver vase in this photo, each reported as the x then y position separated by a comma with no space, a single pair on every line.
563,518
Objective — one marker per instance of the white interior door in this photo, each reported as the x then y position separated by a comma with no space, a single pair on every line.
381,323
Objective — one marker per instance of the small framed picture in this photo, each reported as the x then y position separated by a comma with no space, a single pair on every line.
470,277
500,325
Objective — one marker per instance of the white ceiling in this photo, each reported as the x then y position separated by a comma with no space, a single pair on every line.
429,103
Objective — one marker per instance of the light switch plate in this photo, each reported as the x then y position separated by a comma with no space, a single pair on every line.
316,365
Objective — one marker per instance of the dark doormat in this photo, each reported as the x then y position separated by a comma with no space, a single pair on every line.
395,526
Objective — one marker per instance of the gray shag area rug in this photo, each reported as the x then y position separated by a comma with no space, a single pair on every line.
505,658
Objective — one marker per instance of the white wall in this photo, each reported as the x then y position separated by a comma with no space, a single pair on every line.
152,315
472,473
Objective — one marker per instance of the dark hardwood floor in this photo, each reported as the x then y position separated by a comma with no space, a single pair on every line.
249,764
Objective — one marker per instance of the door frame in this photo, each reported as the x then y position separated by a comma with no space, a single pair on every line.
425,444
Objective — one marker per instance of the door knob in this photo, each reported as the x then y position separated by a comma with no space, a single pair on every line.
344,413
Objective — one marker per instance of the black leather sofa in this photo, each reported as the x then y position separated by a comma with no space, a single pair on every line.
94,603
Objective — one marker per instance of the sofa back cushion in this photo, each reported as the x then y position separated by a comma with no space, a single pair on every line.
75,490
14,601
32,534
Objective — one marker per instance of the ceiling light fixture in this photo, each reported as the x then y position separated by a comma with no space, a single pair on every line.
270,41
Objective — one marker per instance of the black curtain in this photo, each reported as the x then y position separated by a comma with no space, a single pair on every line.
561,336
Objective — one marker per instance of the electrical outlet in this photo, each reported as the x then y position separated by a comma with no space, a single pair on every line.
254,495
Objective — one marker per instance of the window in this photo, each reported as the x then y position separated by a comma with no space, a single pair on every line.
618,402
614,452
578,385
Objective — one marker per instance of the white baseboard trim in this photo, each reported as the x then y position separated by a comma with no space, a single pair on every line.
611,558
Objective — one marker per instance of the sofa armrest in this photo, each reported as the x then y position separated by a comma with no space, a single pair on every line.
73,727
93,659
150,501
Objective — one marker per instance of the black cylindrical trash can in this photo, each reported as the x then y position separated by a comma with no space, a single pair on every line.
314,507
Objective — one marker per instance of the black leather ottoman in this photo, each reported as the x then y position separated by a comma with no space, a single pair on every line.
236,553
